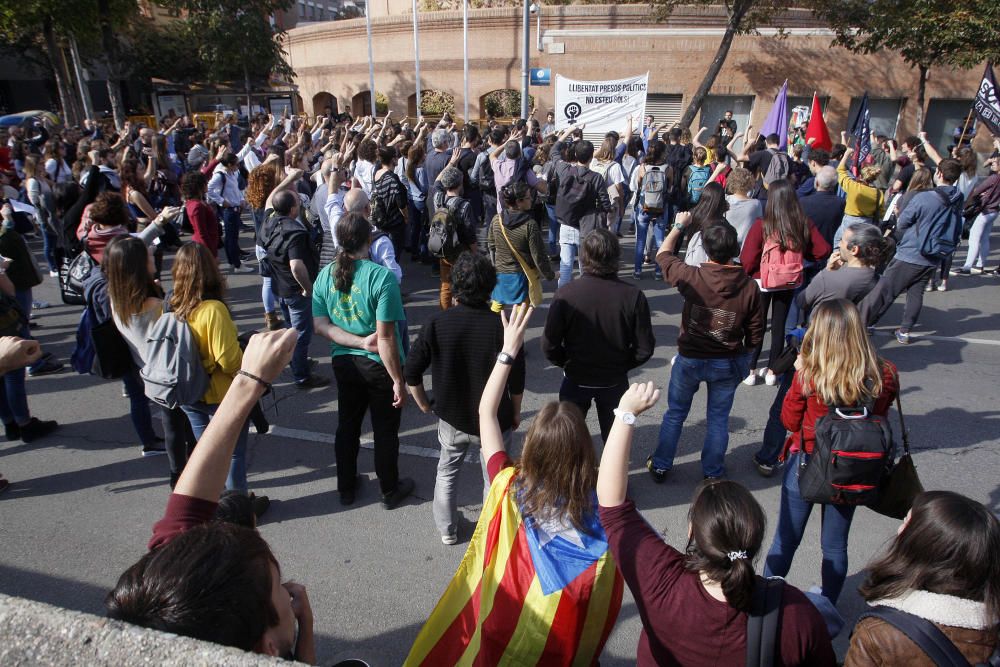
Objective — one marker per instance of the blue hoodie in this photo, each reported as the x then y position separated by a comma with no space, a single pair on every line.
922,211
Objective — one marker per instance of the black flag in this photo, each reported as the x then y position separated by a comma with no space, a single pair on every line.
987,106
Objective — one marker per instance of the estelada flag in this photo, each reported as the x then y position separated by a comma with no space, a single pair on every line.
525,593
817,130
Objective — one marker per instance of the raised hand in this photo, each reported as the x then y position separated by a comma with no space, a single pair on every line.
514,328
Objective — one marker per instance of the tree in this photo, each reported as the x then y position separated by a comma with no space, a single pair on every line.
960,33
742,17
505,103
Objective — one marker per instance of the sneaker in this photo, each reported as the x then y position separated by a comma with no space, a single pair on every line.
347,497
242,269
871,330
763,469
770,379
36,429
155,448
403,488
636,276
712,478
751,380
942,286
313,382
673,360
449,539
902,337
53,274
12,431
659,475
962,272
4,485
39,305
260,504
930,287
46,367
657,277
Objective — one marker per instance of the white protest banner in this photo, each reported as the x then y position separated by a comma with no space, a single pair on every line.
601,105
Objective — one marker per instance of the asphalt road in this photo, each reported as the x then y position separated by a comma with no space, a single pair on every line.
83,500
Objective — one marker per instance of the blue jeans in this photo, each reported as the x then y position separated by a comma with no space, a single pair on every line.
722,376
142,417
14,398
774,432
50,243
231,235
200,414
415,227
553,229
298,314
792,518
642,222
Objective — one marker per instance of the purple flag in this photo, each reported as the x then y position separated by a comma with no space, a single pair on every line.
777,119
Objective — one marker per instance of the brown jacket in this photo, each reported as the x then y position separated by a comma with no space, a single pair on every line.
876,642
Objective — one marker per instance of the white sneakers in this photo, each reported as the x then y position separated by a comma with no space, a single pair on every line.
770,379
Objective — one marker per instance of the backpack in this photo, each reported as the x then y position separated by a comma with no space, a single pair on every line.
654,186
173,373
442,240
780,268
854,452
944,231
576,196
275,243
697,179
778,167
928,637
764,621
487,179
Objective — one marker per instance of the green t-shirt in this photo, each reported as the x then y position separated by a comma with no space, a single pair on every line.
374,298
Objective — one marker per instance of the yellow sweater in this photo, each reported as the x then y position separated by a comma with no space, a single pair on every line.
863,201
215,333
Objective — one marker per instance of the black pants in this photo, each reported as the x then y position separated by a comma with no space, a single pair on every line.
179,440
899,277
605,398
778,302
362,385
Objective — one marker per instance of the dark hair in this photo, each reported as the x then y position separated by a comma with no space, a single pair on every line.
634,146
473,279
109,210
229,159
720,241
838,152
599,253
784,220
386,155
949,547
66,194
235,507
711,207
470,133
583,151
368,150
819,156
656,155
912,141
951,170
871,244
193,185
125,264
726,521
497,136
772,139
514,192
284,201
353,233
127,172
512,150
212,582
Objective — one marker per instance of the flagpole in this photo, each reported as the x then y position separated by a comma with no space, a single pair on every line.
416,55
968,119
465,57
371,62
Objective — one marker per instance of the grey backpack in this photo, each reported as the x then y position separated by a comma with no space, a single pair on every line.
173,373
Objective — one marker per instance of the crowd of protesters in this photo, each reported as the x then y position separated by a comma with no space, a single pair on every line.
343,210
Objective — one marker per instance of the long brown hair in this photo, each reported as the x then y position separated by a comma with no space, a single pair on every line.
196,279
949,547
126,266
128,172
784,220
839,364
353,233
413,160
557,473
727,528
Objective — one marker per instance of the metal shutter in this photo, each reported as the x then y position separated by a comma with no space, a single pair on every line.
665,108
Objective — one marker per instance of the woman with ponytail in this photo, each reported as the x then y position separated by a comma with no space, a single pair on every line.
706,591
356,305
514,240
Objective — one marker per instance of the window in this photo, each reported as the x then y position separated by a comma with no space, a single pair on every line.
945,121
884,114
715,106
302,10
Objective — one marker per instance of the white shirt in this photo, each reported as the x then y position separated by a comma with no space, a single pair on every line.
224,191
381,252
364,172
59,171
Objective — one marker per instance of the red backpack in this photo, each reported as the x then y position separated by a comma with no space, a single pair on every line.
780,268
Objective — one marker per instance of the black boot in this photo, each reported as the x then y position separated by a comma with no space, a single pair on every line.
36,429
12,431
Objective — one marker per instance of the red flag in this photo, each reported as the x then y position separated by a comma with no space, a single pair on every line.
817,135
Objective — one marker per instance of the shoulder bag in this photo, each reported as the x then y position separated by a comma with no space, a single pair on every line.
534,278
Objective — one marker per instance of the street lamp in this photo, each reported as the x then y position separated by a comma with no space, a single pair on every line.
536,9
525,37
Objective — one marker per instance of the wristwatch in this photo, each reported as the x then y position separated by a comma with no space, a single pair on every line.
627,417
505,359
678,226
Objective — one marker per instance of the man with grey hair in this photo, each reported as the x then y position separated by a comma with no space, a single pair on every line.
448,194
435,162
823,206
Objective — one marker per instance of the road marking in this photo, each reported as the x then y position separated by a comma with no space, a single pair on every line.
915,338
367,443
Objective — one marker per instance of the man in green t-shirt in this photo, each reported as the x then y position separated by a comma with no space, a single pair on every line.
356,305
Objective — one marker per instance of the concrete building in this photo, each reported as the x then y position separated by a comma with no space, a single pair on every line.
617,41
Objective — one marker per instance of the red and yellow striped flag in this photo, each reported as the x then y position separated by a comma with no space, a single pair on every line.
523,596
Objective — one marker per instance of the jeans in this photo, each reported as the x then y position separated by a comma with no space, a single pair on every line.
792,518
642,223
722,376
455,445
142,417
979,240
200,414
605,398
795,314
266,293
14,398
231,235
415,227
179,439
778,302
363,385
899,277
553,229
774,433
298,314
569,245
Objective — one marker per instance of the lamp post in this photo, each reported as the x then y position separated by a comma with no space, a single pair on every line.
416,53
465,56
371,62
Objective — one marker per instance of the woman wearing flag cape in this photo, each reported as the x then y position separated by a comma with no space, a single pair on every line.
537,584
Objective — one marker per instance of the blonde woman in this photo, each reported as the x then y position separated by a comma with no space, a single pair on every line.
836,366
39,187
614,178
865,202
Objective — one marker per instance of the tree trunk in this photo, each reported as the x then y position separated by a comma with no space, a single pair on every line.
921,94
713,70
62,83
110,46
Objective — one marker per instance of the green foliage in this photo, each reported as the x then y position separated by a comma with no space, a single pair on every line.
436,103
505,103
381,104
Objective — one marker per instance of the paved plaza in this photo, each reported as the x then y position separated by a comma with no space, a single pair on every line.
83,501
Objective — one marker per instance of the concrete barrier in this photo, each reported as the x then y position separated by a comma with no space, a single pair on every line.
33,633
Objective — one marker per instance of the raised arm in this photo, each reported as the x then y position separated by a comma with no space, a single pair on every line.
744,155
932,152
490,435
286,183
696,140
612,476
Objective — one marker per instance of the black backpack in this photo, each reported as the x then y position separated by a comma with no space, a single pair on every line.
487,179
853,454
442,239
576,195
764,621
928,637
